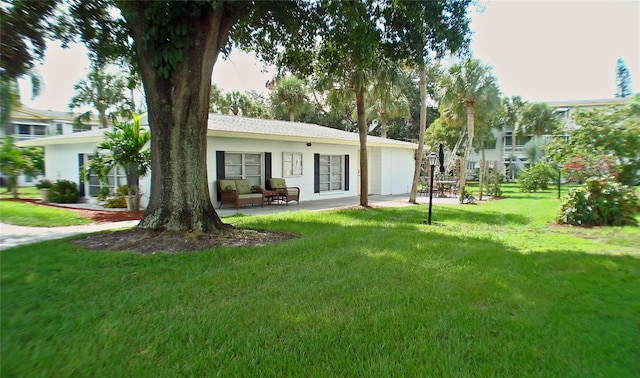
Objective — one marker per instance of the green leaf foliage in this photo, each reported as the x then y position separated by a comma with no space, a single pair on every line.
536,177
612,132
64,191
602,201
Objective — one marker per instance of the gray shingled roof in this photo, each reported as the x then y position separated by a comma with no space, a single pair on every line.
284,130
251,128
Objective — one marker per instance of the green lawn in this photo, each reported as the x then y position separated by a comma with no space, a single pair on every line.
23,192
27,214
489,290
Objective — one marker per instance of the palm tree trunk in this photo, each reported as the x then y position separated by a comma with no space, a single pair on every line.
513,155
423,127
481,176
362,132
292,116
467,151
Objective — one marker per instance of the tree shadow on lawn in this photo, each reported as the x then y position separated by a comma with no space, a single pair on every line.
348,287
545,195
439,213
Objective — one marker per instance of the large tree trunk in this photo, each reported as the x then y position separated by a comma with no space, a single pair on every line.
178,113
362,133
423,127
467,151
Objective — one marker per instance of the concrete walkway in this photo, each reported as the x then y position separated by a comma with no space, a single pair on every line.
11,236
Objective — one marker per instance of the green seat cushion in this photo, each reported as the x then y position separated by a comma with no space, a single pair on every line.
250,195
278,183
228,184
243,186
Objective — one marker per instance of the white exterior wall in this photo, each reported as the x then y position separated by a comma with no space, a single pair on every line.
390,169
61,163
277,148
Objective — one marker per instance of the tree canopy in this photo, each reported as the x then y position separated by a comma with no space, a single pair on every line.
174,46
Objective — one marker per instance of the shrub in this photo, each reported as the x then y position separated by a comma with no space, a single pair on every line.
467,197
64,191
118,201
601,201
44,184
536,177
582,167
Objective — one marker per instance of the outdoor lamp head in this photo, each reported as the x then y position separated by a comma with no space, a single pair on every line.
433,159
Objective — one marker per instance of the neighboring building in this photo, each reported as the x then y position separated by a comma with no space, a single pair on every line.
501,150
322,161
27,124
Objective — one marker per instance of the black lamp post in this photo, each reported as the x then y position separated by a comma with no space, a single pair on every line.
433,159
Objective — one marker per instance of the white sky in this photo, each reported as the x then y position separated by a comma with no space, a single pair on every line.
539,50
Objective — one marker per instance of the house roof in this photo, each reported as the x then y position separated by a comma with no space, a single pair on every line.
25,113
228,126
254,128
583,103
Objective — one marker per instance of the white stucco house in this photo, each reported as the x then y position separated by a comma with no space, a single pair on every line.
322,161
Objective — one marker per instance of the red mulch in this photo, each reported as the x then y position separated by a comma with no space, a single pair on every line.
94,215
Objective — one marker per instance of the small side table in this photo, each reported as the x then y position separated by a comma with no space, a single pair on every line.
270,196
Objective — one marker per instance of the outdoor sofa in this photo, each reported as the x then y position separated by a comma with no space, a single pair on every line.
239,193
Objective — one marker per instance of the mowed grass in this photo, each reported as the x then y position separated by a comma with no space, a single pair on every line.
23,192
489,290
27,214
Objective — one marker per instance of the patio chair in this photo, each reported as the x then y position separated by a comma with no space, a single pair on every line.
285,193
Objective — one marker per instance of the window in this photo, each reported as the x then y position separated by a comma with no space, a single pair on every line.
78,127
331,173
291,164
59,129
116,178
24,129
247,166
39,130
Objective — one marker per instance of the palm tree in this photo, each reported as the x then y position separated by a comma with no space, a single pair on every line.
104,92
10,96
461,90
289,95
385,102
512,117
540,119
126,143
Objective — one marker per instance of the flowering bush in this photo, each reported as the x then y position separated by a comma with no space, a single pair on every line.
581,167
601,201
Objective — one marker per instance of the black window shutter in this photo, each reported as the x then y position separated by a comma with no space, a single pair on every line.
219,170
346,172
81,181
267,169
316,173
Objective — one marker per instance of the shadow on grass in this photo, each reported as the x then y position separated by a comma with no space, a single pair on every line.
415,215
356,294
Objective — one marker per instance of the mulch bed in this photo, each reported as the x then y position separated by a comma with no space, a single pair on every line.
95,215
150,241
